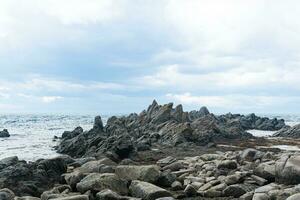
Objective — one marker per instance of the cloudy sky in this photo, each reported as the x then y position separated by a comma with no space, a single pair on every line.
116,56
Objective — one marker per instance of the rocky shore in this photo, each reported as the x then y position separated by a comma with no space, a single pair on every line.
162,153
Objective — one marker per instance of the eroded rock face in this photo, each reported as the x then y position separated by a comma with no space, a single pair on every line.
160,125
293,132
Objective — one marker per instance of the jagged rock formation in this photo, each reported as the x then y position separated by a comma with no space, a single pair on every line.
293,132
160,125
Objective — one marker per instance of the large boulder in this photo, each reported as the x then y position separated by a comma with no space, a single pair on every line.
287,169
266,171
4,133
251,155
147,191
96,166
227,164
98,182
73,178
147,173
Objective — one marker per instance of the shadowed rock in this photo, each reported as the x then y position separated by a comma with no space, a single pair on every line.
4,133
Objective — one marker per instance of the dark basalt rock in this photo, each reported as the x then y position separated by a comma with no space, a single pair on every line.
71,134
31,178
160,125
4,133
197,114
98,124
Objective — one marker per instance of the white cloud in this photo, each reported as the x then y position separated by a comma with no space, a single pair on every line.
260,74
50,99
40,89
30,24
42,83
82,12
224,49
235,102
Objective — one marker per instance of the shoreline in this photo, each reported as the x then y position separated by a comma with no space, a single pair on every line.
163,152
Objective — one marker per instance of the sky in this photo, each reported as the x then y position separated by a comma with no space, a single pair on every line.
116,56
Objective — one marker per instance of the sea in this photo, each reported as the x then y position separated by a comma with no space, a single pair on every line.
31,136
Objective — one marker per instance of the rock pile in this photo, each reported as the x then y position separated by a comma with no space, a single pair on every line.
160,125
246,174
30,178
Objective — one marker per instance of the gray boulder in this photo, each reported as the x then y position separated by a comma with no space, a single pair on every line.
73,178
109,195
236,190
98,182
147,191
95,166
287,169
266,171
166,178
227,164
260,196
176,185
190,191
147,173
251,155
166,161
